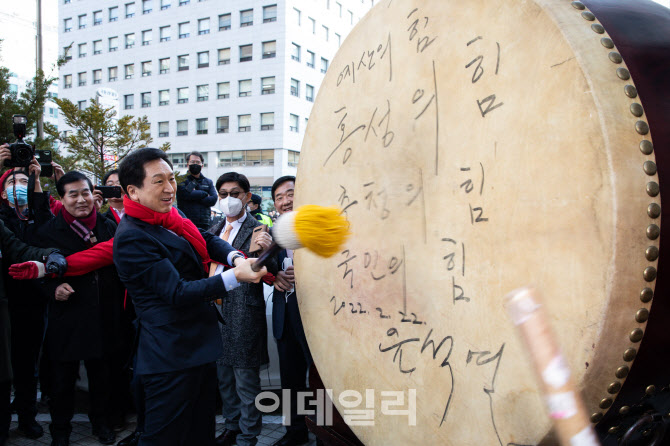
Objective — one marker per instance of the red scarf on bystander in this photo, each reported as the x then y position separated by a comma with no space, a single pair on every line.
172,221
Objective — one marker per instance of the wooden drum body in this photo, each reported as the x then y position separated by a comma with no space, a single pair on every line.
477,147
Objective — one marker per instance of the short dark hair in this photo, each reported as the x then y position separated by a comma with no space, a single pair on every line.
131,169
195,153
256,199
279,181
109,174
71,177
233,177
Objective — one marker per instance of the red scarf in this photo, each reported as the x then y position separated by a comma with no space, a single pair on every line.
88,221
172,221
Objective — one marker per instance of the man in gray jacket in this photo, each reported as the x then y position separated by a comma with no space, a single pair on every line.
245,331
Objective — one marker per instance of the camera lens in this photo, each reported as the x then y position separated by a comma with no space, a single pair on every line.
24,155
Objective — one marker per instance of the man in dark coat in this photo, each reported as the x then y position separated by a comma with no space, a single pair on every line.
160,256
294,355
84,313
196,195
27,306
244,333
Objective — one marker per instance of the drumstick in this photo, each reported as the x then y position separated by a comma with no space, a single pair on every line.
322,230
564,402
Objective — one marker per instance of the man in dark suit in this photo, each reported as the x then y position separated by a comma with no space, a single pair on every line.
196,194
160,257
83,315
294,355
244,333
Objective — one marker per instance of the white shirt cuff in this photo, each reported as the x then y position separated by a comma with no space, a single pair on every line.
229,280
230,257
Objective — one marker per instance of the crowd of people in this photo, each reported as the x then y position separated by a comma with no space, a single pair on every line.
164,309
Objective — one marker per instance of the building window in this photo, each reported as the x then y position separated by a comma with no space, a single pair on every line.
163,129
130,10
67,25
295,53
201,126
223,90
97,76
245,88
293,158
297,15
293,123
268,85
267,121
67,81
146,6
351,17
203,26
246,17
164,65
182,62
146,99
182,128
177,159
235,158
97,47
97,18
295,87
112,73
269,13
184,30
184,2
113,44
130,40
224,22
269,49
81,105
163,97
243,123
339,39
81,79
309,93
203,93
325,32
224,56
146,68
165,33
146,37
324,65
203,59
182,95
128,101
222,124
129,71
165,4
246,53
113,13
311,58
82,50
339,9
312,23
82,21
66,53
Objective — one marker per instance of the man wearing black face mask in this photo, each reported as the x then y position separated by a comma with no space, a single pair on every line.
196,195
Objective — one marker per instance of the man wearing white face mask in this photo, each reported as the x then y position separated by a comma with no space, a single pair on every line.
196,194
244,334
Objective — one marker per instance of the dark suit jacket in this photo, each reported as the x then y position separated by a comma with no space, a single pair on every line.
163,274
87,325
286,314
245,331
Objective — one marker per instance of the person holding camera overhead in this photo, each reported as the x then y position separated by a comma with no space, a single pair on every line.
26,305
196,195
115,211
84,312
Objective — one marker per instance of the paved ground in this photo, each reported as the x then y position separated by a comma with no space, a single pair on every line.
81,431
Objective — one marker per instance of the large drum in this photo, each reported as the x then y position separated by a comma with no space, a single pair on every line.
475,147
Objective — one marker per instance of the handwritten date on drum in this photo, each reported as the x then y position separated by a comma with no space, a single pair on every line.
357,308
369,59
478,69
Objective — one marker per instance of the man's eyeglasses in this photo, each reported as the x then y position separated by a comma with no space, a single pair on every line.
234,194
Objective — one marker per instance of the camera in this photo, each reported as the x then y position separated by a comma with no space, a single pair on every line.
22,153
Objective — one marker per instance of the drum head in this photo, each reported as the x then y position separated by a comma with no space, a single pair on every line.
475,147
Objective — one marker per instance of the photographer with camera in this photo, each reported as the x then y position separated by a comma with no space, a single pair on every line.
27,306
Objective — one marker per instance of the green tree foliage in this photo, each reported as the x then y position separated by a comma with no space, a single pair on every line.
99,141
